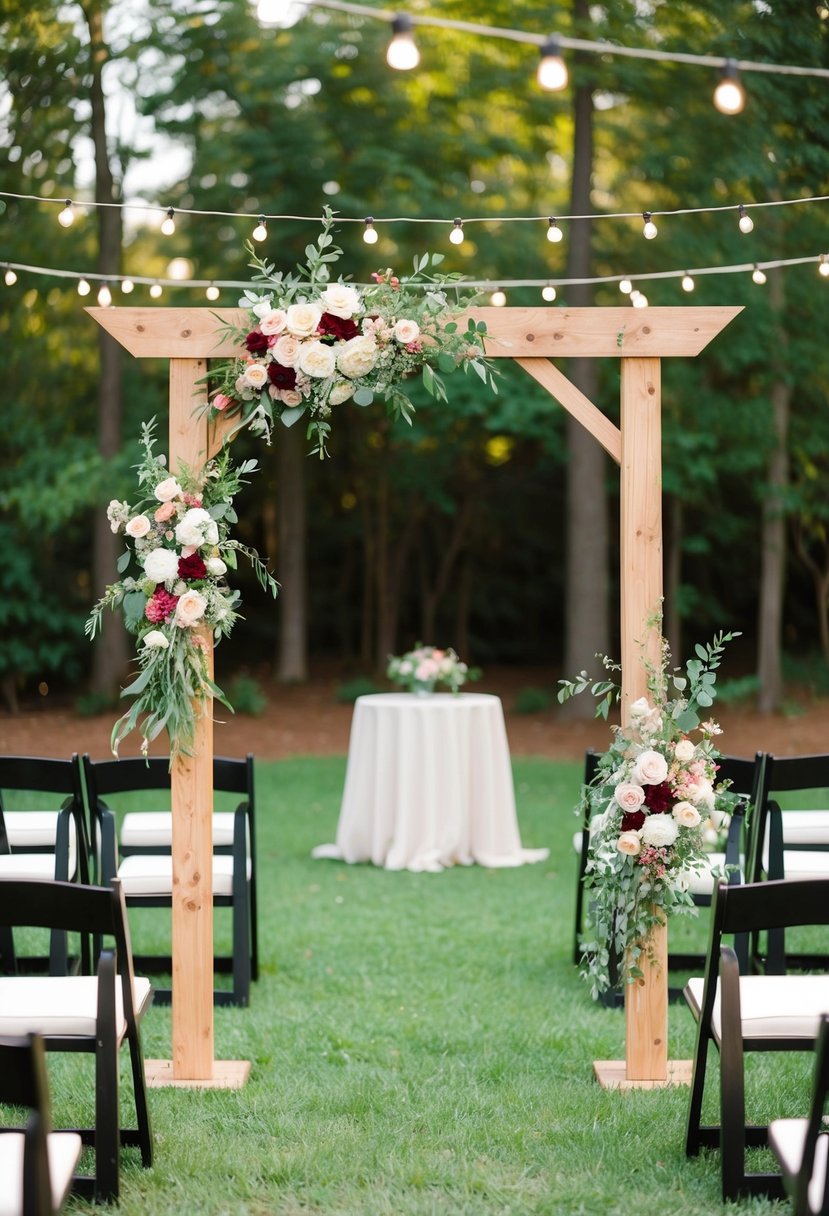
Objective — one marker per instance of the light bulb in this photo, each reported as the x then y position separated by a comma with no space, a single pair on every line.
822,268
456,235
729,95
369,231
104,296
498,299
758,276
10,277
127,286
640,301
649,230
260,232
554,233
402,53
548,293
212,292
746,223
625,286
83,287
687,283
156,290
66,218
552,70
168,225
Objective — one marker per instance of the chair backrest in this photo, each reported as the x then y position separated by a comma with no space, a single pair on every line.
783,904
744,775
107,777
23,1082
42,774
781,774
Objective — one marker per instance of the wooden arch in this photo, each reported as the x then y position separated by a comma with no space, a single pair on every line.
532,337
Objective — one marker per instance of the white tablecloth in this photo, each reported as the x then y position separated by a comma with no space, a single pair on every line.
429,784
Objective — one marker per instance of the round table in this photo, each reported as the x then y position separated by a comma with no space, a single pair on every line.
429,784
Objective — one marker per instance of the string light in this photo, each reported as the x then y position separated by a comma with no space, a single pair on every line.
548,293
260,232
638,299
823,265
156,290
10,277
370,233
729,95
758,276
552,70
168,225
554,233
66,217
127,286
625,286
83,287
402,53
498,298
687,282
456,235
212,292
649,229
745,223
104,296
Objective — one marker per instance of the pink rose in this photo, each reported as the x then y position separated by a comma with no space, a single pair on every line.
138,526
629,796
651,768
190,609
273,322
686,815
629,843
164,512
221,401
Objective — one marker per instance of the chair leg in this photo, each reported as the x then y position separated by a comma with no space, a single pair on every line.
732,1082
107,1121
142,1110
241,942
693,1137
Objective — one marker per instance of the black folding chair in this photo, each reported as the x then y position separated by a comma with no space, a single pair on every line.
94,1013
742,1013
801,1146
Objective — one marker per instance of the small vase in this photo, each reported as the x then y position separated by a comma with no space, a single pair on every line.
423,688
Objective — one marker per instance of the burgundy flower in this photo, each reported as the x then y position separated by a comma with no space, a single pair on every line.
191,567
256,342
659,799
632,821
160,606
337,327
282,377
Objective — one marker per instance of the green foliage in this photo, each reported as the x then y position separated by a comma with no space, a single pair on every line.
360,686
533,700
247,696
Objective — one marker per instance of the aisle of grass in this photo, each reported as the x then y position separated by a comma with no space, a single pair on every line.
420,1044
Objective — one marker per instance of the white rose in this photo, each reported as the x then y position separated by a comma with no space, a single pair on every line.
629,796
357,356
286,350
341,391
701,793
196,528
406,331
273,322
629,843
684,751
216,567
686,814
190,609
255,375
658,831
651,768
161,565
138,526
117,513
303,319
168,489
290,396
340,300
261,306
155,640
317,360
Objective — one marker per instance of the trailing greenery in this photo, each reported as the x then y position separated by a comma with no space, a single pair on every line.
421,1044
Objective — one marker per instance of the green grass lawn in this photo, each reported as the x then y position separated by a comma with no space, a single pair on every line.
421,1043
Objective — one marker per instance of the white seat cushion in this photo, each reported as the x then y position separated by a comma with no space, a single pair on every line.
788,1138
153,829
34,829
772,1006
60,1005
805,827
145,874
577,839
806,864
32,867
63,1149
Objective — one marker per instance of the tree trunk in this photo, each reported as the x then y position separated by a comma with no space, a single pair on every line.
773,533
110,651
586,599
292,663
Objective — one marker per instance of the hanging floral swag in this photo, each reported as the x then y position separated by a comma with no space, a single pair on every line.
174,588
312,344
654,805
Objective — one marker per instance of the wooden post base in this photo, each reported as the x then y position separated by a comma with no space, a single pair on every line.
227,1074
612,1074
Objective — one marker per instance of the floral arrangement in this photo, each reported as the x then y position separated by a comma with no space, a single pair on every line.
311,344
654,804
174,588
421,670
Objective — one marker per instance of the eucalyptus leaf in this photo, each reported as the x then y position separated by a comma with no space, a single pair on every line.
363,396
291,414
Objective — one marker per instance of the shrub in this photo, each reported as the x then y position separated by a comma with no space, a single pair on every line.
533,701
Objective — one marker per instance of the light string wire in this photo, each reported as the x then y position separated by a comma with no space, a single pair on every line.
567,43
90,204
465,284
